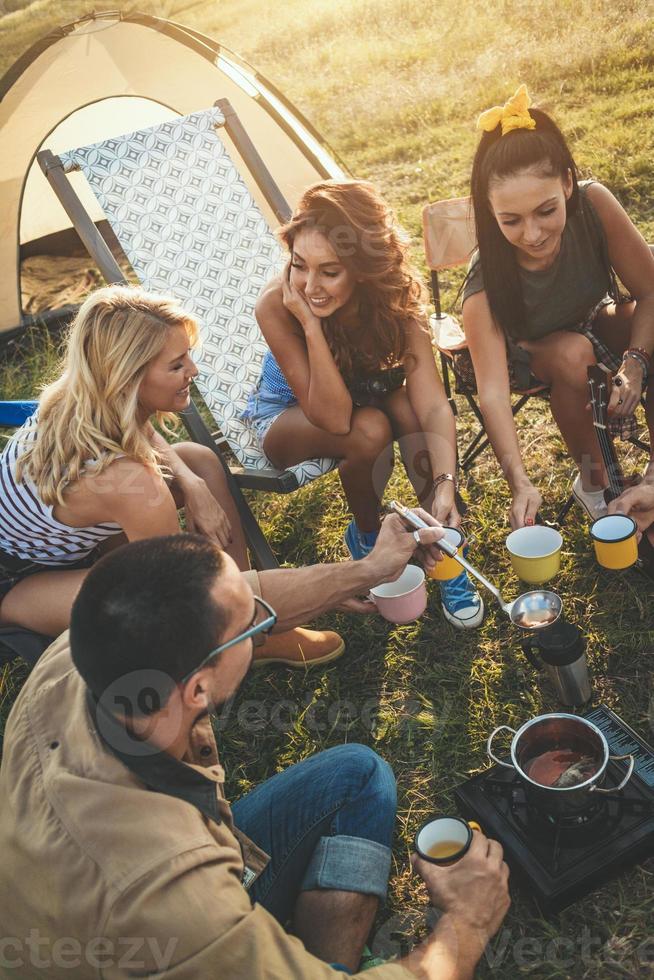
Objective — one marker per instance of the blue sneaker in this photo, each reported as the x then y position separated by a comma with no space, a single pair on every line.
461,603
359,543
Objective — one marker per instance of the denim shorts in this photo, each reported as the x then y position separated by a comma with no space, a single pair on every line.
263,408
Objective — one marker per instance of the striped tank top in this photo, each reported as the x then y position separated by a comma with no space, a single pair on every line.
28,528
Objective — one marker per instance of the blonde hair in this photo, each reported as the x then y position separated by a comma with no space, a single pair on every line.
91,412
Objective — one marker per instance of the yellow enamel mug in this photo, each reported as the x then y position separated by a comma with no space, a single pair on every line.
443,840
614,540
448,568
535,553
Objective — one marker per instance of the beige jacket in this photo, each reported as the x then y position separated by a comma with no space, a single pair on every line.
101,876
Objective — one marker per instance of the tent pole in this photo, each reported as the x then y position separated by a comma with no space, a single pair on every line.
253,161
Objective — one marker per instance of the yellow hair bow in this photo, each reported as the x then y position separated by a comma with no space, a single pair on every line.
514,114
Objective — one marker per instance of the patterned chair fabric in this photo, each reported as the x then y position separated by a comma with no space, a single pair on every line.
190,228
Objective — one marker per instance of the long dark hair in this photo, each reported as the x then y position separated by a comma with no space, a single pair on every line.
543,148
360,228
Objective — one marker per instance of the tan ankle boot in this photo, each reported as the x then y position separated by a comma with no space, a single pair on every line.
299,648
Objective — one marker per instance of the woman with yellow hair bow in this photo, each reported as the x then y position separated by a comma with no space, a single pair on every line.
541,300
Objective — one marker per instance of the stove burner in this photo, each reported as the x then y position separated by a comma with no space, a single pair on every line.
561,830
562,858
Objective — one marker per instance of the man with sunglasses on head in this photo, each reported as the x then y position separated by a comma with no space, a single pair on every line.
121,856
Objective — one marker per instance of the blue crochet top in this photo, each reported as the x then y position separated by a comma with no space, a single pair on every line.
273,381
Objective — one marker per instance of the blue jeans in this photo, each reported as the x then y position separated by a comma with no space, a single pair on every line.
326,822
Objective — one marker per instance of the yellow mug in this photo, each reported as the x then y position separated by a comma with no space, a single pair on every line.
444,840
448,568
535,553
614,540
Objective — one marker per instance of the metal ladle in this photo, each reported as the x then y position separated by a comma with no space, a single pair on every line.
537,603
543,607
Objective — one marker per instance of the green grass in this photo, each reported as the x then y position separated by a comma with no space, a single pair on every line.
395,87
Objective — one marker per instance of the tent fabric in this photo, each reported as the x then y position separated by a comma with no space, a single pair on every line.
110,73
190,228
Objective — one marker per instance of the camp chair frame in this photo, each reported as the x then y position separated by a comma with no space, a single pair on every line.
449,240
238,478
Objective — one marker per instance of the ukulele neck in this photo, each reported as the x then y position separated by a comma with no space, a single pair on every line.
598,386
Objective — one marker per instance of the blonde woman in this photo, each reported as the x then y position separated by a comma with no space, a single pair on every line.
89,471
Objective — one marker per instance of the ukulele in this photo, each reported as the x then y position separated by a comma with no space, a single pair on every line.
599,387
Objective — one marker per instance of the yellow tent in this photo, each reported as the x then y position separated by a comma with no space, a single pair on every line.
108,74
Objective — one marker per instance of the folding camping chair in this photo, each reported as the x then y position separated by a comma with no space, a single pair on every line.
449,239
189,226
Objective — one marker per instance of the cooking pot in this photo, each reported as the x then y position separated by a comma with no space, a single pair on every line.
558,731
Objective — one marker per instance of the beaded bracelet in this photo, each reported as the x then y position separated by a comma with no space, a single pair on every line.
640,350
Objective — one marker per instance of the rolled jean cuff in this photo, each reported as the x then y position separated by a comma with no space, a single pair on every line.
349,864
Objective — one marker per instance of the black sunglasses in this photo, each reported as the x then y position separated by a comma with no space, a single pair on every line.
264,627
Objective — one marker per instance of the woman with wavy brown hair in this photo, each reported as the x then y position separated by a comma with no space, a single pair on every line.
351,369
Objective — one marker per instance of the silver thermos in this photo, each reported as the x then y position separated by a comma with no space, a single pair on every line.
560,648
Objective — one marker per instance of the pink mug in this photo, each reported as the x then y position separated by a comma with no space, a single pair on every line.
403,600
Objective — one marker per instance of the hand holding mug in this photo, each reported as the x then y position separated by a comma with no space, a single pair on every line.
403,600
474,891
636,502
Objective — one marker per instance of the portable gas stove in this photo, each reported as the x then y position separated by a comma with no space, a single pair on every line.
561,859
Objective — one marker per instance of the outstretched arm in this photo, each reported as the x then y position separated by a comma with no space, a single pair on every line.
300,594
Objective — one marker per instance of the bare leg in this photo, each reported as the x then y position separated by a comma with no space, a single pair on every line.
560,360
334,925
42,602
412,443
204,463
366,455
